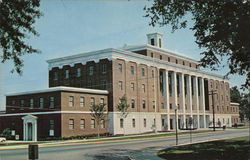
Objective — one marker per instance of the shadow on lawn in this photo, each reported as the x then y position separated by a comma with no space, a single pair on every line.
216,150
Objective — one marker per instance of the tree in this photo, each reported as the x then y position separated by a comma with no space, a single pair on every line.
221,28
122,107
235,95
98,113
16,24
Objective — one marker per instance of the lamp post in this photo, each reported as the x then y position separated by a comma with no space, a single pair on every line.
176,130
213,93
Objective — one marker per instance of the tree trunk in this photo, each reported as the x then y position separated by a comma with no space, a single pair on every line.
98,130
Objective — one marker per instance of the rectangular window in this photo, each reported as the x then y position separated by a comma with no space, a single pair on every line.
142,72
143,88
145,122
82,124
152,42
120,85
153,104
51,124
120,68
170,106
168,59
153,73
159,42
78,72
13,102
102,123
103,84
133,86
92,101
133,123
132,70
41,102
160,57
104,68
71,101
51,102
91,70
153,88
102,101
121,123
55,75
152,55
22,103
31,103
71,124
162,106
66,74
143,104
82,102
132,103
92,124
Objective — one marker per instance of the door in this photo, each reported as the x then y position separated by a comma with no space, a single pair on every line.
29,131
171,124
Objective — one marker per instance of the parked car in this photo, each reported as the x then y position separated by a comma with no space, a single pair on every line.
2,139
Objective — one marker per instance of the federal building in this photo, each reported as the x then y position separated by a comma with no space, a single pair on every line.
156,82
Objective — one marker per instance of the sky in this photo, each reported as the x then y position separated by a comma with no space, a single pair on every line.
72,27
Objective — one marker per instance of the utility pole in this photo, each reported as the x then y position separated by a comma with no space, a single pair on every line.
213,92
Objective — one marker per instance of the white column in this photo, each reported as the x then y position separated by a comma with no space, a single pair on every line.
34,138
189,94
167,99
196,99
182,97
24,131
202,99
174,85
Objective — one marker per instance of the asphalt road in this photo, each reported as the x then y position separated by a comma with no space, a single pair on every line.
145,149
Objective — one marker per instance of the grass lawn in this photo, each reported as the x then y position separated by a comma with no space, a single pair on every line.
231,149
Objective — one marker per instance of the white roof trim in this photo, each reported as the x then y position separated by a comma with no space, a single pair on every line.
61,88
40,113
162,50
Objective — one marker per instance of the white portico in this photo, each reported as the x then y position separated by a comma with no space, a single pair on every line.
29,128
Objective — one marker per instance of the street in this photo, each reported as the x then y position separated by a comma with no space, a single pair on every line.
145,149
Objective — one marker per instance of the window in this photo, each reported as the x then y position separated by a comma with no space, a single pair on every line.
104,68
152,41
51,124
170,106
71,101
145,122
162,122
91,70
160,57
176,61
66,74
153,104
183,63
103,84
178,106
152,55
71,124
153,88
102,101
92,101
121,123
31,103
159,42
41,102
132,70
168,59
143,72
22,103
120,67
143,88
102,123
190,65
82,101
153,74
92,124
13,102
55,75
78,72
132,103
162,106
143,104
51,102
133,86
82,124
133,123
120,85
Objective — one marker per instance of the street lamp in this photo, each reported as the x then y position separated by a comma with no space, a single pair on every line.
213,92
176,130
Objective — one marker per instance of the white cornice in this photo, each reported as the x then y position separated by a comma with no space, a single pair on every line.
111,54
61,88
